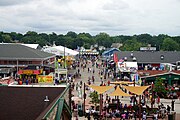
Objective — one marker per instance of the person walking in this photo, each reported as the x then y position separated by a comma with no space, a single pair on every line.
172,105
168,109
144,116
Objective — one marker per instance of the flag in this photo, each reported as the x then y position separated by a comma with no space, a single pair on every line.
121,61
56,64
78,48
115,57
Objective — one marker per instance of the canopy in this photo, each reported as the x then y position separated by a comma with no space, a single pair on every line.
119,92
101,89
60,50
138,90
122,82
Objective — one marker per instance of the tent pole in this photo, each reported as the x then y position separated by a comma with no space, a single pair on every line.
84,98
100,111
139,107
64,58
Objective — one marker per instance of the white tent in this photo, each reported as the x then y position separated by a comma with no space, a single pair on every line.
60,50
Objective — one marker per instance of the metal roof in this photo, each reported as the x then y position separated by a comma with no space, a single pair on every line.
17,52
26,103
151,57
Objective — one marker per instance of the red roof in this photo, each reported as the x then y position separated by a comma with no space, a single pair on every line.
143,73
176,71
151,72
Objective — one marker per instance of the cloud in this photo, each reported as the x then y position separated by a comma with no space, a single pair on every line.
13,2
112,16
115,5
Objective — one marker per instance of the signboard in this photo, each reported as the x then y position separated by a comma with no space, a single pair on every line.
61,71
45,79
147,48
127,66
29,72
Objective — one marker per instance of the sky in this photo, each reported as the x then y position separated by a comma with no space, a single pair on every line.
115,17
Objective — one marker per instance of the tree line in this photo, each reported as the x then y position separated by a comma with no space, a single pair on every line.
72,40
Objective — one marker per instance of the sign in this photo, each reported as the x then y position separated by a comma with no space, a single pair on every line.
29,72
128,66
134,77
45,79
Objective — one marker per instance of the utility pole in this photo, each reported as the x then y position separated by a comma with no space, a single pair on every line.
84,98
64,58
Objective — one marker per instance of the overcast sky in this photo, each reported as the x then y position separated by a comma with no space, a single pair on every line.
115,17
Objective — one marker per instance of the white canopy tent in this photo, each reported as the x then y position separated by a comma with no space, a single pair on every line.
60,50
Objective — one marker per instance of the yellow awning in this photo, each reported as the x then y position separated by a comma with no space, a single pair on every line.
101,89
138,90
119,92
122,82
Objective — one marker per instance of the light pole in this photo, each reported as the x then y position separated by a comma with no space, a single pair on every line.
152,92
84,98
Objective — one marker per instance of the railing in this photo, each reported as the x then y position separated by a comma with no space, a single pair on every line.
53,112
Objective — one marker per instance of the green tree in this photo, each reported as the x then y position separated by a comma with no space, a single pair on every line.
159,87
85,40
52,37
16,36
7,38
170,45
131,45
94,97
103,39
1,38
144,38
71,34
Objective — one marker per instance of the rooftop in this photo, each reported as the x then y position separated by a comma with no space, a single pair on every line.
21,52
151,57
26,103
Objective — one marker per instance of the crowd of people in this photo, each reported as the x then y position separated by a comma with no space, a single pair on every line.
104,75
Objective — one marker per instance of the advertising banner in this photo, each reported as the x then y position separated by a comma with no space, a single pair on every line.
45,79
127,66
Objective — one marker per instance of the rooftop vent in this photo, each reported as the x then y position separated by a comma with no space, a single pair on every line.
132,54
162,57
125,58
134,58
46,99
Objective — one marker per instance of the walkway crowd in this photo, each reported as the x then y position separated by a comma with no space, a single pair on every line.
97,72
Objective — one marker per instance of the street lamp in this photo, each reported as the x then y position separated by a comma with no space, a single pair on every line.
152,92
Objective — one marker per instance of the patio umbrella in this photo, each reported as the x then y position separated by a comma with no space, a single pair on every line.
119,92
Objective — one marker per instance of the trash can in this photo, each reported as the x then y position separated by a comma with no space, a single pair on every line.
172,116
80,113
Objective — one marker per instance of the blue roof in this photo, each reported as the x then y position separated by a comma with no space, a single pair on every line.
110,50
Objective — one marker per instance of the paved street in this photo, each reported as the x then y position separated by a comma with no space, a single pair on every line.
78,95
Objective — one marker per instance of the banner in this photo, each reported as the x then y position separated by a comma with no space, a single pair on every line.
45,79
115,58
127,66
